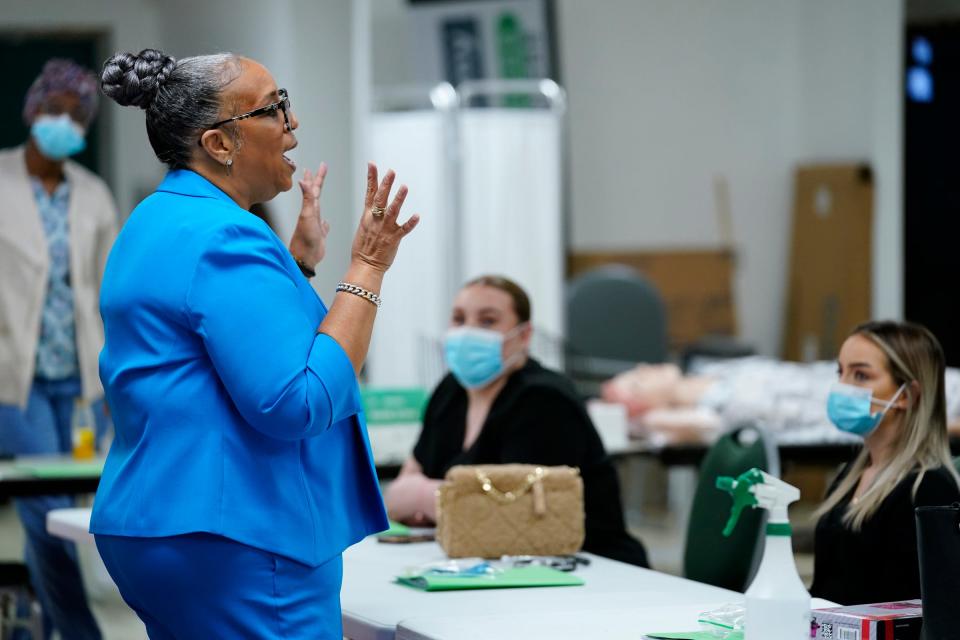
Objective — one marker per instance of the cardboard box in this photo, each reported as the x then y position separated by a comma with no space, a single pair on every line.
829,288
696,287
882,621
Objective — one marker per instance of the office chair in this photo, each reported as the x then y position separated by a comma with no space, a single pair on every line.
728,562
615,319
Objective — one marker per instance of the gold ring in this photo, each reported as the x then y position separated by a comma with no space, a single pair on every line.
377,211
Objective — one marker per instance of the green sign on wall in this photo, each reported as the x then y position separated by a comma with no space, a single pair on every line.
394,405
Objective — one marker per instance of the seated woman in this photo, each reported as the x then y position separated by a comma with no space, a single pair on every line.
865,543
500,406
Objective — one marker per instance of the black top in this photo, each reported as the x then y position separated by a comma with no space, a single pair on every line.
537,418
878,563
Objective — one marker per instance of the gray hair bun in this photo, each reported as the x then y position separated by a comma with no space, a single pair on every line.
131,79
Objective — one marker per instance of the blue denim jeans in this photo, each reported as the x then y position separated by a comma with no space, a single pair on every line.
43,427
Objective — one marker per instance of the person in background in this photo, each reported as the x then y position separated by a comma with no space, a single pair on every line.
57,224
241,466
497,406
890,393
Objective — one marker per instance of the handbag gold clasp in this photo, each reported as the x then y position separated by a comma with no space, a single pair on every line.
532,478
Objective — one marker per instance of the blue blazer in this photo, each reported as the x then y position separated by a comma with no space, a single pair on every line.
233,415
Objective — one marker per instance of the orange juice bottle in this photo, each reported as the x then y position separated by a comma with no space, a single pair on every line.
83,430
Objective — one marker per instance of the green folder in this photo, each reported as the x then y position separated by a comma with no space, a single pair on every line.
54,470
690,635
533,576
396,529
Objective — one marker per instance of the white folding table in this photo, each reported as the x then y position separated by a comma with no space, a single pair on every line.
374,606
618,600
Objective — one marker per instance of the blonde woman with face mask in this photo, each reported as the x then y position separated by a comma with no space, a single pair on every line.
497,406
890,392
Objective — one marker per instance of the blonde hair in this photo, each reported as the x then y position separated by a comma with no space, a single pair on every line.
913,355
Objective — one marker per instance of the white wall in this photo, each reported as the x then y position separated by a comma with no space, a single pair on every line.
688,91
886,153
130,25
667,94
391,49
851,101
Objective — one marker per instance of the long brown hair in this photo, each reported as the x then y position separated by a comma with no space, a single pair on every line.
913,355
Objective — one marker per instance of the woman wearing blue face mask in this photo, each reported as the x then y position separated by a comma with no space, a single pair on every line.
891,393
499,406
56,228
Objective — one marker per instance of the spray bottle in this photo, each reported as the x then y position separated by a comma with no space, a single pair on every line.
778,605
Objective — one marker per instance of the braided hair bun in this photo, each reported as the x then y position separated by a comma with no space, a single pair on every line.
134,79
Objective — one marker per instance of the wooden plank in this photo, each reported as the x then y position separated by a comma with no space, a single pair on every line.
829,287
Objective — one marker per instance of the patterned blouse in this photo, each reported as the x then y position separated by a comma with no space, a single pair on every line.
57,348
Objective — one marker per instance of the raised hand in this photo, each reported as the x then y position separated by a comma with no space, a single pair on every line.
380,233
309,241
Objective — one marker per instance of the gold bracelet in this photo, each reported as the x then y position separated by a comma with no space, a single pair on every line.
360,291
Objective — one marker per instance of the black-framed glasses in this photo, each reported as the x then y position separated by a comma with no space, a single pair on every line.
283,105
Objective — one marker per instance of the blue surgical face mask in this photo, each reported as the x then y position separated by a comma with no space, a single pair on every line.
475,356
849,407
57,137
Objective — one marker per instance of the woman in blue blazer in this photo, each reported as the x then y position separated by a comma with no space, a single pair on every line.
241,467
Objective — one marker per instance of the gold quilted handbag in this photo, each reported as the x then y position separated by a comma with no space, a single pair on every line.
510,509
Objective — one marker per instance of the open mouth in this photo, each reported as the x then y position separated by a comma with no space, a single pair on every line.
288,159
